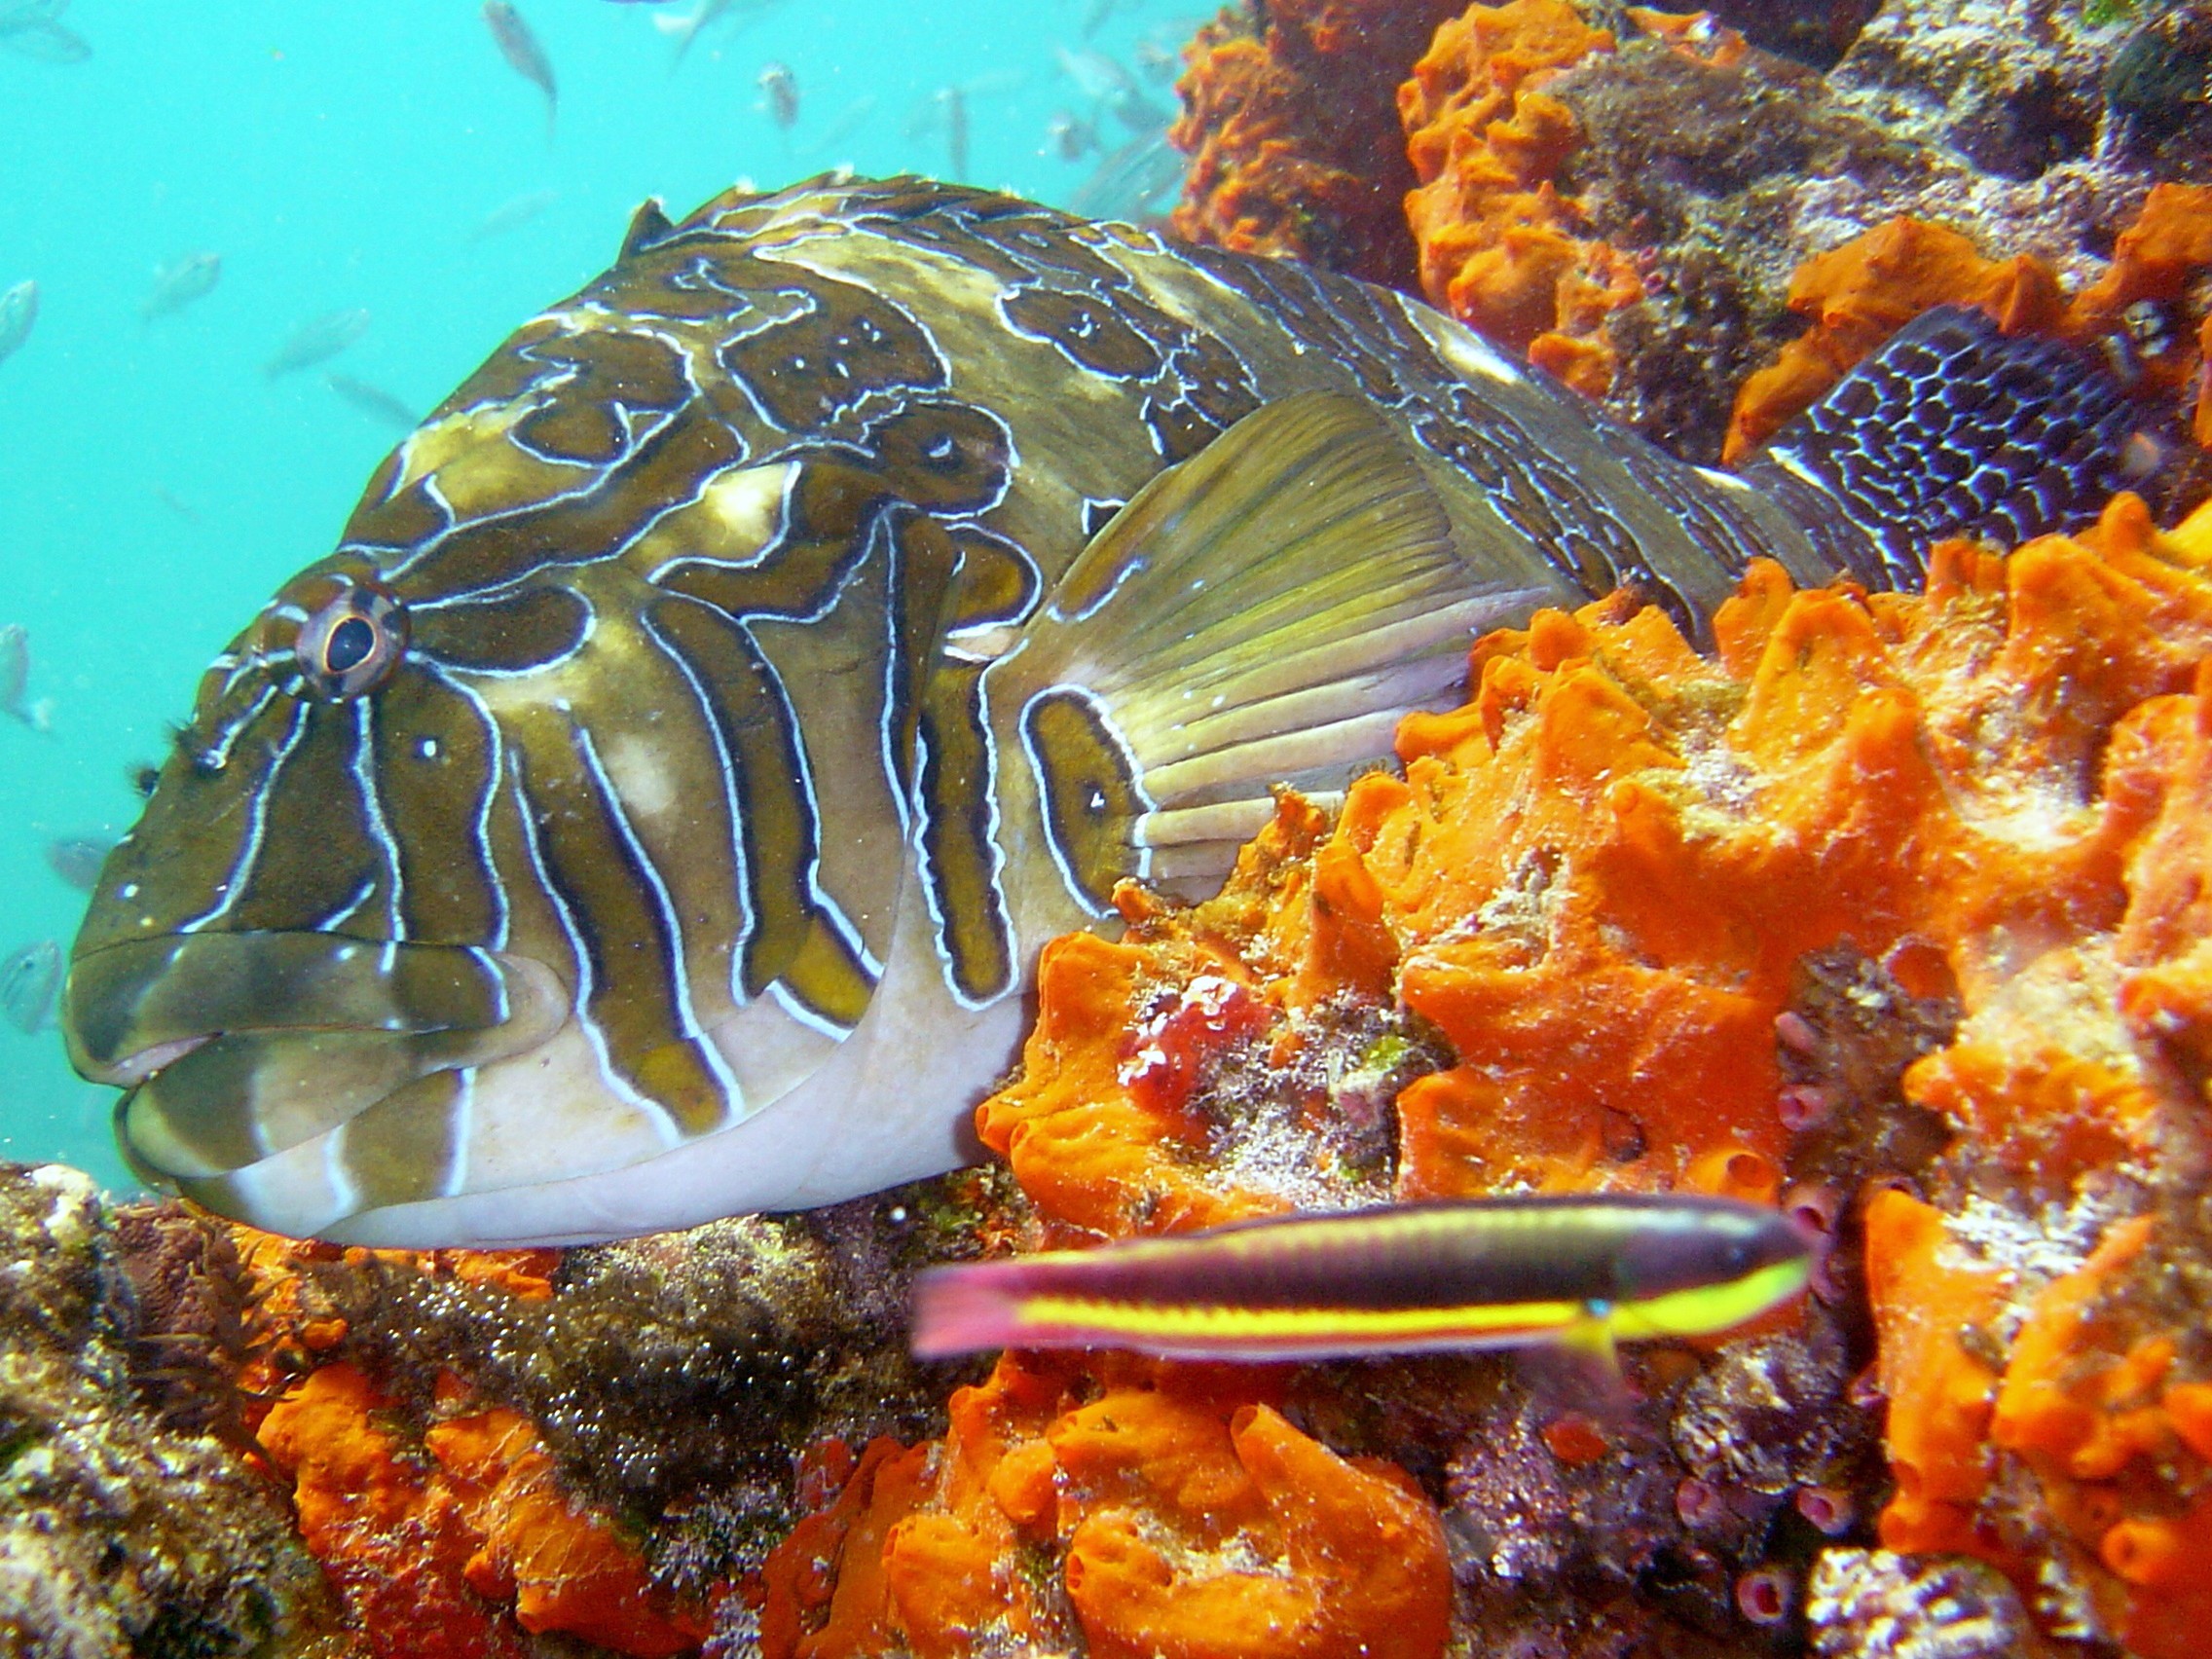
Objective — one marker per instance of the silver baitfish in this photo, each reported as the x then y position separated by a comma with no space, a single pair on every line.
15,700
373,401
652,808
778,95
18,311
519,45
179,283
30,975
317,341
77,858
31,29
513,213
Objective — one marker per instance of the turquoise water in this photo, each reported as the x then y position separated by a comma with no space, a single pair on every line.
155,484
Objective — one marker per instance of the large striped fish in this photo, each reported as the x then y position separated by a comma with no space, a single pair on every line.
651,809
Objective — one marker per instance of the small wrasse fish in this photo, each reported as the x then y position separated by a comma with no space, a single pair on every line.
1586,1271
654,806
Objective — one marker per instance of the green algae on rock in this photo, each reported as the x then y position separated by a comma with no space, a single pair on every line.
120,1532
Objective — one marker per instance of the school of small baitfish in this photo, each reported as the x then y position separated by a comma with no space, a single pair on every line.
653,807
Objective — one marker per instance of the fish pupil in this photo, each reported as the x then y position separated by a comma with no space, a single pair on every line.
350,644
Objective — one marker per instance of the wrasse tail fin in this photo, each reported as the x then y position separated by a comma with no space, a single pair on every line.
1954,428
965,1309
1262,613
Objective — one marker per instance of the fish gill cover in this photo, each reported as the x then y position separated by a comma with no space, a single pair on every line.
1883,909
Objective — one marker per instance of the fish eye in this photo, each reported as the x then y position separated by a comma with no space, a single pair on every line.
349,646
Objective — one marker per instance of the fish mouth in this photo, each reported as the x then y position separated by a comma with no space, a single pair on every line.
237,1047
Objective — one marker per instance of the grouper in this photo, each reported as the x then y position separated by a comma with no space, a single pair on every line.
652,808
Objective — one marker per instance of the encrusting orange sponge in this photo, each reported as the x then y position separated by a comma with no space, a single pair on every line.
1183,1516
427,1551
453,1544
1500,249
1287,121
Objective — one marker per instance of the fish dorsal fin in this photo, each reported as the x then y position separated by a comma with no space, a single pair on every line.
1954,428
649,225
1264,612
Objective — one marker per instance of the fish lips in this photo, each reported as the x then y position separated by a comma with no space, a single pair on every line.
238,1045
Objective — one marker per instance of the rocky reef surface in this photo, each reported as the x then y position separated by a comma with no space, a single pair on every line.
1890,909
133,1517
1624,193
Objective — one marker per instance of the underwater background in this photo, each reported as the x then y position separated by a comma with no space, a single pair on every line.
156,483
1882,911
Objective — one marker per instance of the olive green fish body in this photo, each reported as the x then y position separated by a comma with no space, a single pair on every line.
652,808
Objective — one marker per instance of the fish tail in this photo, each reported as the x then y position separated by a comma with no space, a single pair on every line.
967,1308
1954,428
1264,612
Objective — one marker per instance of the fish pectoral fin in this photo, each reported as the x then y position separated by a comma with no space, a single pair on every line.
1264,612
1590,1341
1579,1370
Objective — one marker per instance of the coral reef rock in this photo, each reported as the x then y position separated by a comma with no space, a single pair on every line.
1877,1604
492,1448
123,1530
1890,911
1287,121
1651,204
1736,183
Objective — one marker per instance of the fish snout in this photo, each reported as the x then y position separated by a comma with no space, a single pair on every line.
238,1046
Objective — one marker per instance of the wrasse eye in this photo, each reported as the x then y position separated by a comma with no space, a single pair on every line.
350,646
